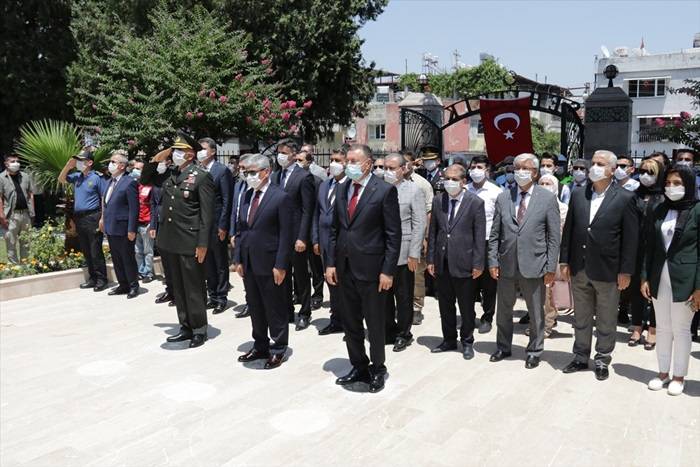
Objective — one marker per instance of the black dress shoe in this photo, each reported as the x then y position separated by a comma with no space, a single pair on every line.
354,376
445,346
198,340
133,292
525,319
164,297
219,309
575,366
244,313
183,335
302,324
376,383
274,361
171,303
402,342
118,291
147,279
532,362
499,355
468,351
601,373
87,285
485,327
316,303
211,304
330,329
100,286
252,355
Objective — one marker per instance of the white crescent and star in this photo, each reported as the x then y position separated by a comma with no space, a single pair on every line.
507,116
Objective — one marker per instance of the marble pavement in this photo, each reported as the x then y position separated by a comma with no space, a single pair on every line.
87,380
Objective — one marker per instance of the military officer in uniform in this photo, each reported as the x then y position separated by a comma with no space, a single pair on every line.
183,237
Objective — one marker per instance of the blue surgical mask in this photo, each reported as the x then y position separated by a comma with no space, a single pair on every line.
136,173
353,171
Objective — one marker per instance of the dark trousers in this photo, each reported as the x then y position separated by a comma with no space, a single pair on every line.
399,304
317,278
362,300
488,287
336,301
216,264
91,245
642,309
266,302
459,290
302,285
124,259
188,277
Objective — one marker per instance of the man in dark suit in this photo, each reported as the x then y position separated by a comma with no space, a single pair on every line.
119,222
523,253
184,233
299,184
456,251
262,254
217,254
598,252
321,231
364,250
239,190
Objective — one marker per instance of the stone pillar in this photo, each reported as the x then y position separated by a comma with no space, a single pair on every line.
608,122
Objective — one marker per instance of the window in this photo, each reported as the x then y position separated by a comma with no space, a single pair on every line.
648,87
377,131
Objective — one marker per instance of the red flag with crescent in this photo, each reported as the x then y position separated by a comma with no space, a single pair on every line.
506,127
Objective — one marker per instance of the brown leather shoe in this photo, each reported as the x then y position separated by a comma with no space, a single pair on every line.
253,354
274,361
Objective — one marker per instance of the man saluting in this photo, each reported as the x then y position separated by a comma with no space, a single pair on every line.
183,237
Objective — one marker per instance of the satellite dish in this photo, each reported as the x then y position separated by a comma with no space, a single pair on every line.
351,132
606,52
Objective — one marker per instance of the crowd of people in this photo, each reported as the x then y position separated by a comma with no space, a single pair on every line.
610,241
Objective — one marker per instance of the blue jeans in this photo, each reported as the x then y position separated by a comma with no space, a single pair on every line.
144,251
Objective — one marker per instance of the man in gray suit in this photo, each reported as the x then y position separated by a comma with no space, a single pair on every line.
399,316
523,254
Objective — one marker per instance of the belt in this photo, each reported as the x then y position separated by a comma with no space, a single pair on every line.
86,213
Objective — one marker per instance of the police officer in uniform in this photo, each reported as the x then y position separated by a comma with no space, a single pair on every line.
183,236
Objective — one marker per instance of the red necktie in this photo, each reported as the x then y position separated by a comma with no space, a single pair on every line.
353,200
253,207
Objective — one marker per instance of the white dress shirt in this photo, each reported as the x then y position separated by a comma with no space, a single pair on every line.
527,198
334,184
668,226
459,198
596,201
363,183
112,184
488,193
208,166
289,170
262,194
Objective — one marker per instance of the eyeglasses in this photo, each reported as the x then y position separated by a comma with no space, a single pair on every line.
644,171
250,173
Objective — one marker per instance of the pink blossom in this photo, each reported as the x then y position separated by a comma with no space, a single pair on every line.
200,114
94,106
189,115
131,142
283,134
265,61
293,128
250,94
677,122
267,103
239,77
308,104
660,122
291,104
299,113
223,99
685,115
283,105
212,94
286,116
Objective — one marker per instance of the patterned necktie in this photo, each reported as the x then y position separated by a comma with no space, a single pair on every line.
353,200
112,183
253,207
522,208
452,211
331,193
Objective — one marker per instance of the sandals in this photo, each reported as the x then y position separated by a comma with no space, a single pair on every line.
649,345
635,342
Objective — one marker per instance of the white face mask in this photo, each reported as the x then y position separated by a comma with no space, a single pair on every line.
546,171
13,166
675,193
685,163
162,167
620,173
551,188
647,179
430,165
80,165
523,177
477,175
178,157
253,181
596,173
113,167
390,176
379,173
202,155
283,160
336,168
354,171
579,175
452,187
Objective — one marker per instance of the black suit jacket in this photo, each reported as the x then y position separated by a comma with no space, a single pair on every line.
371,240
267,242
223,194
462,241
608,246
302,190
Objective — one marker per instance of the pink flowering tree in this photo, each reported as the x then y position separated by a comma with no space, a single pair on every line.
191,73
685,128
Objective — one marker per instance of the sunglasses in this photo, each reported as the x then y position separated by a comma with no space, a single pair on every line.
645,171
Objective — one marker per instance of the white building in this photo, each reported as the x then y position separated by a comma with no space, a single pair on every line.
647,79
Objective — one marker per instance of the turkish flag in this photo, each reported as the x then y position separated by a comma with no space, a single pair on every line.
506,127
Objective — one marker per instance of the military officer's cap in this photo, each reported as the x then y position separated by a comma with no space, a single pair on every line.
429,153
185,141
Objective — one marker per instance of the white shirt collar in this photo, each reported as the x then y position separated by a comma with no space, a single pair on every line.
209,165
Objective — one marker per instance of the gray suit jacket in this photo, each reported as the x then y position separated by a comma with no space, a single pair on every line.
413,218
531,248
